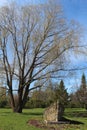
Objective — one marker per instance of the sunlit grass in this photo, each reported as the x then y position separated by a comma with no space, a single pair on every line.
14,121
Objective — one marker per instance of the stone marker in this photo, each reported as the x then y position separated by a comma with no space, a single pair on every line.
53,113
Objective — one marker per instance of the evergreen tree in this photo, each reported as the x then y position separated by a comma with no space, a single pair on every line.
61,94
82,92
83,82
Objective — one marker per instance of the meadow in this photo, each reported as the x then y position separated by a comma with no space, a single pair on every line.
15,121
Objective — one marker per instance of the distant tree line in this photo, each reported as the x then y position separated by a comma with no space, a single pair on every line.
79,98
42,98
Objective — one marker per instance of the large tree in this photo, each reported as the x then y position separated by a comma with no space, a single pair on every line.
33,42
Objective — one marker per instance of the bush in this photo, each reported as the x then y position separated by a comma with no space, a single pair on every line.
3,103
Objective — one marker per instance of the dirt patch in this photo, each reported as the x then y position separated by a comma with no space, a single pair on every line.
40,124
35,123
56,126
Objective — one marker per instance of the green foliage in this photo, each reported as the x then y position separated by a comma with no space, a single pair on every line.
39,100
3,97
83,82
79,98
43,98
74,103
81,94
61,94
3,103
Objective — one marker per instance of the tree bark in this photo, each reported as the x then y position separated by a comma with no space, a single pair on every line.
19,106
18,109
12,100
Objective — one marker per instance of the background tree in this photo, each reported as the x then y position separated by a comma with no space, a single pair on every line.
83,82
33,42
49,91
38,99
42,97
74,102
61,94
82,92
3,97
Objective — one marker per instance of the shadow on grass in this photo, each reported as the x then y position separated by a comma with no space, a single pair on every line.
5,113
33,113
68,121
77,114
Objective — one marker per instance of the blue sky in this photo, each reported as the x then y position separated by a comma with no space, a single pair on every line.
76,9
73,9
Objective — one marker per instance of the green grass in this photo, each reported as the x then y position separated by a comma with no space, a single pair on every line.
14,121
77,114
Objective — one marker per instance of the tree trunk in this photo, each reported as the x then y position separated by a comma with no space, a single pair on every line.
19,105
12,100
25,97
18,109
16,104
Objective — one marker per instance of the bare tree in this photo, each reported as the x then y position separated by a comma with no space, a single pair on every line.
33,42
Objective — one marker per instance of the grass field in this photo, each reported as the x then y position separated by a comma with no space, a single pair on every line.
14,121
